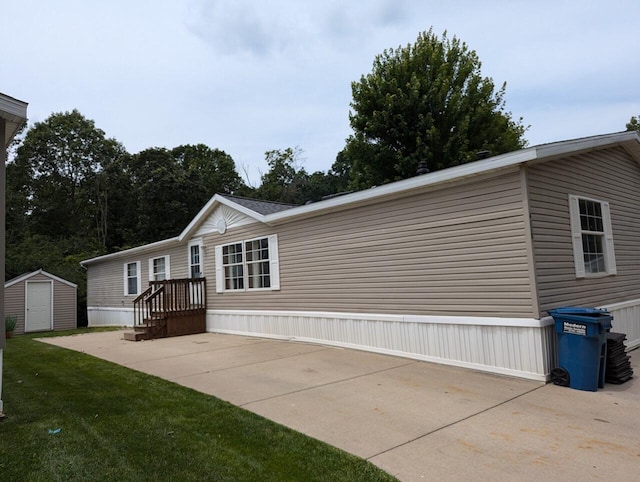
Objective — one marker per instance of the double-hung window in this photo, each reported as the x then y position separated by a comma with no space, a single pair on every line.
248,265
195,259
257,254
592,237
159,268
233,265
132,282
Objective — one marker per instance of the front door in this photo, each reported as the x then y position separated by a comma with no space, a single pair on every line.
195,271
38,306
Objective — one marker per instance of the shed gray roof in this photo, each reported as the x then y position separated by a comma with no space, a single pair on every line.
260,207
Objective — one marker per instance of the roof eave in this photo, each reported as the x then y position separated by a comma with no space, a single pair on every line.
130,251
14,112
575,146
208,208
406,186
462,172
26,276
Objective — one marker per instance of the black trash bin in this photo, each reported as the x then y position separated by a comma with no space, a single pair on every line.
582,347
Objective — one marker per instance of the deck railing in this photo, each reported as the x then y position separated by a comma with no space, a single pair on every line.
169,298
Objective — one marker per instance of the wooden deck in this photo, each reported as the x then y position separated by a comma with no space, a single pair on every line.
170,308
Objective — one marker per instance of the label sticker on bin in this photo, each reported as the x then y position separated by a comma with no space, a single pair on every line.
574,328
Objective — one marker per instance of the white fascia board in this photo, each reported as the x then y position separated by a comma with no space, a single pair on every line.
585,144
457,173
418,182
208,208
14,112
11,109
57,278
20,279
215,201
26,276
202,214
131,251
453,174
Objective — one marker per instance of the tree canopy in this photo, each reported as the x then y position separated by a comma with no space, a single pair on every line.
287,181
72,193
52,182
424,102
634,124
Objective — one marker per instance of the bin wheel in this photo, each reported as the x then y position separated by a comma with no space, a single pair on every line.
560,376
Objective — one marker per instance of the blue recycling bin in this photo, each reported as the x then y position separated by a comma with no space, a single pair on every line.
582,347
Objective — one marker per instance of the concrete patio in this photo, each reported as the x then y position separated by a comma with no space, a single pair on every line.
416,420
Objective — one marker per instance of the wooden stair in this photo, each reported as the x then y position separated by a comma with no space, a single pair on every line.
169,308
139,333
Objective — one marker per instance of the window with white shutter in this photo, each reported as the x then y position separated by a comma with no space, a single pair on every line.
592,237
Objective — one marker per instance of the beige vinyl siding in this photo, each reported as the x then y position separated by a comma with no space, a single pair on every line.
65,306
455,251
64,303
607,175
105,280
14,299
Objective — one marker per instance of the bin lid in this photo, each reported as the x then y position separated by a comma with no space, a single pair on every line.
582,315
576,310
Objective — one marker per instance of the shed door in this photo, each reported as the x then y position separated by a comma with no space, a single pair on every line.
39,306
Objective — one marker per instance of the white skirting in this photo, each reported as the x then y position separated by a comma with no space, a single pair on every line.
522,347
104,316
626,319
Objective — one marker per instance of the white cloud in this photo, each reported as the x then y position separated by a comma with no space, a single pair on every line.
247,77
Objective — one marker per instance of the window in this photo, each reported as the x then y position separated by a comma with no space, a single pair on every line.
159,268
257,252
195,259
132,278
248,265
592,237
233,266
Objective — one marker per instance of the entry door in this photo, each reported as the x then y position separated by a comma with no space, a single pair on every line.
195,271
38,304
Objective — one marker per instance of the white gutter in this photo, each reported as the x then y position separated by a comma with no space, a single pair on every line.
503,161
126,252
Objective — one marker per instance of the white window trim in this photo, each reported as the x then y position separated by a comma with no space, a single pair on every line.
195,242
167,266
274,266
576,236
138,276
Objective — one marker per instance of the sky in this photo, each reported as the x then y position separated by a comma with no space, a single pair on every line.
251,76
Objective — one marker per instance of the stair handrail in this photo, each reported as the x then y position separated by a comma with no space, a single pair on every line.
169,298
139,307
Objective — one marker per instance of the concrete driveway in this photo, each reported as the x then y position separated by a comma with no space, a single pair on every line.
415,420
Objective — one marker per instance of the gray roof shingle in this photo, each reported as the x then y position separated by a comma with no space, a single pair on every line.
260,207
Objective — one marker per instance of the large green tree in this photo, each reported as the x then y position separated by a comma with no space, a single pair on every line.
165,189
284,180
72,194
424,102
288,182
53,197
634,124
52,180
207,171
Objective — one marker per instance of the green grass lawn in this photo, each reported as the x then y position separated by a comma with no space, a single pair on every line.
119,424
